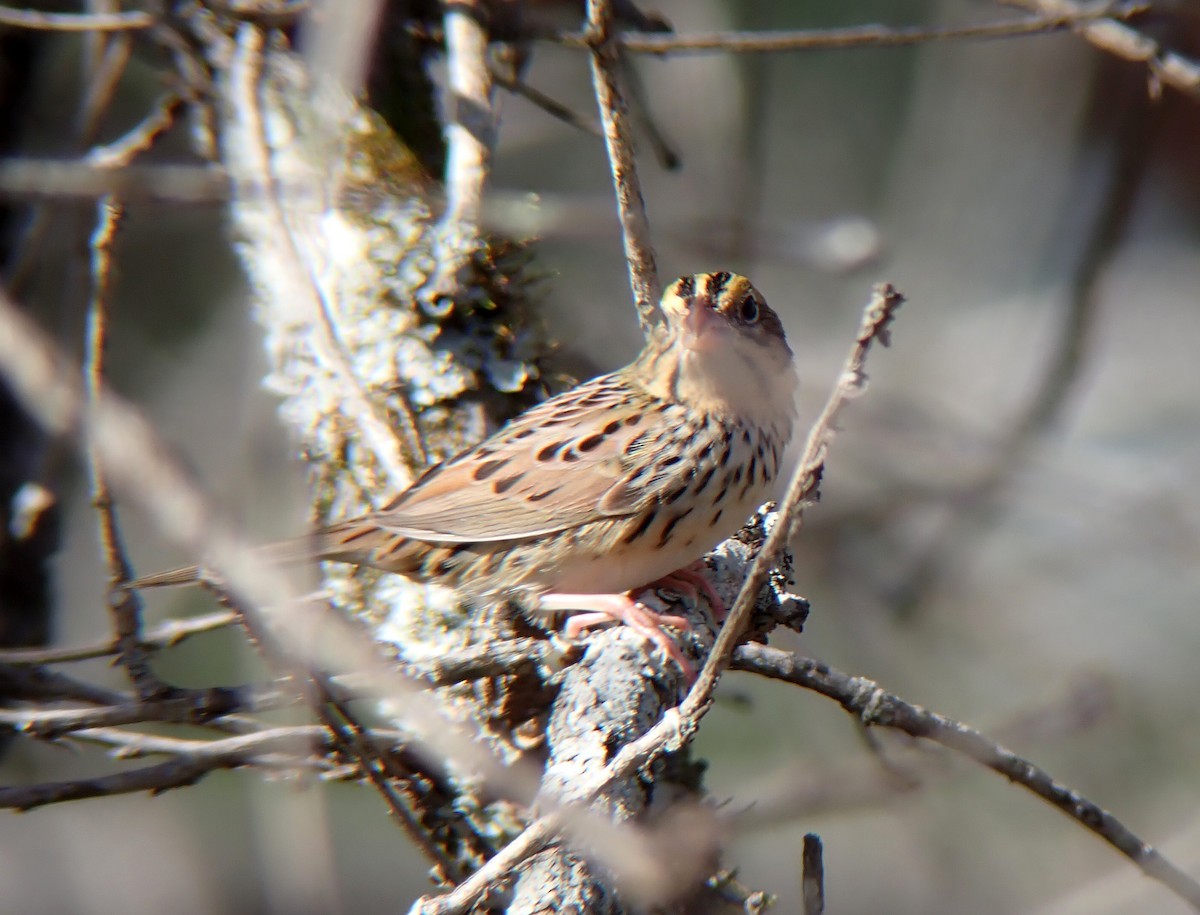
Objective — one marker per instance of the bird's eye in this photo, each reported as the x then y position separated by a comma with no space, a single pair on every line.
748,311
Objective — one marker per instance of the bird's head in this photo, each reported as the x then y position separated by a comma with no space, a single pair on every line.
723,348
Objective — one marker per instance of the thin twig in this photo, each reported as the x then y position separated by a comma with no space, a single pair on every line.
614,115
470,136
174,773
394,783
462,898
1106,33
867,701
139,138
789,796
101,83
76,22
193,707
165,635
81,180
552,107
125,606
862,36
275,740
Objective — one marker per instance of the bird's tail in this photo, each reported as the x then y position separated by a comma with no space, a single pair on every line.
285,552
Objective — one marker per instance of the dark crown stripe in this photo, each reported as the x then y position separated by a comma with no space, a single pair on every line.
717,283
686,287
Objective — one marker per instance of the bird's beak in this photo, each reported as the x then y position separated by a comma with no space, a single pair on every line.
698,325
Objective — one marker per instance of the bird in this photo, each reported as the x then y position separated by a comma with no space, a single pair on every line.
617,485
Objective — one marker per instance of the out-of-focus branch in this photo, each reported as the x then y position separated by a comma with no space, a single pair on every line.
1123,40
125,606
300,241
614,115
76,22
174,773
296,742
865,699
198,707
470,135
165,635
138,139
865,36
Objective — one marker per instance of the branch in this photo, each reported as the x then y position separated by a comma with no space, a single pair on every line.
1113,37
470,135
300,243
864,36
192,707
873,706
614,115
175,773
125,606
165,635
76,22
139,138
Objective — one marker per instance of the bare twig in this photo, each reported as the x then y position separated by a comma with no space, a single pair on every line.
614,114
124,605
76,22
100,85
1113,37
866,700
791,796
194,707
864,36
55,180
517,86
174,773
463,897
470,136
274,742
164,635
139,138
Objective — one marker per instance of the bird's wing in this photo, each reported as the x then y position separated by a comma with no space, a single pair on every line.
567,461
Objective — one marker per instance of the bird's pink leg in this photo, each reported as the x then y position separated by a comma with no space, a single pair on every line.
621,608
691,581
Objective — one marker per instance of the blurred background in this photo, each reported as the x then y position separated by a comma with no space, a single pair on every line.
1009,530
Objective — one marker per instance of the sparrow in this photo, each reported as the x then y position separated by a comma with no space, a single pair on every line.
617,485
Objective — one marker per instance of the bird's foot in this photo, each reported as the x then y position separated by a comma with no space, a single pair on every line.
691,581
622,608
